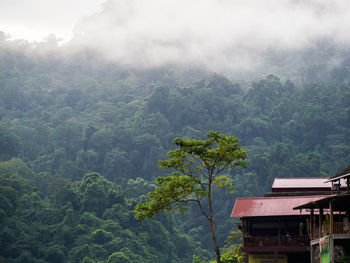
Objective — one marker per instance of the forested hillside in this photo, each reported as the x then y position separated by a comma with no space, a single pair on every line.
80,139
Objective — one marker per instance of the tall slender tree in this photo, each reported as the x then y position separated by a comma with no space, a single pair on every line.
198,166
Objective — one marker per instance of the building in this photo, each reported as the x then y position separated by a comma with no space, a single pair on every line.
273,231
303,186
329,222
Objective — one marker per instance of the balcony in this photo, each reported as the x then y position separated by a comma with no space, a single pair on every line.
338,229
275,241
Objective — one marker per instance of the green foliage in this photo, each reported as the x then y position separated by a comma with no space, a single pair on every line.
9,145
117,257
232,252
61,229
117,165
55,253
96,193
101,236
87,260
197,259
197,167
15,166
63,118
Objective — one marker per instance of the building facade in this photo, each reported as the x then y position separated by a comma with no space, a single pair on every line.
329,223
273,228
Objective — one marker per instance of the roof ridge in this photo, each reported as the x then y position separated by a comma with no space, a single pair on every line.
283,197
326,178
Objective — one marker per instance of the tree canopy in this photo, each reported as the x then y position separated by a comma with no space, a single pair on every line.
62,118
198,166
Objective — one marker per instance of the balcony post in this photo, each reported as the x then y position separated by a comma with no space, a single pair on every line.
279,232
320,222
312,223
331,217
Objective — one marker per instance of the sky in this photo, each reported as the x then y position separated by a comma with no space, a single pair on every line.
35,20
221,33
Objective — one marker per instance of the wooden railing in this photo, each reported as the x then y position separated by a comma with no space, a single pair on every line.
298,241
338,228
293,241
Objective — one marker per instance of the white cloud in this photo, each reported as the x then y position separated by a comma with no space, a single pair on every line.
36,19
229,33
217,33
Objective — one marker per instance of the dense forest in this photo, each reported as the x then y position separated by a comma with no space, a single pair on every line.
80,138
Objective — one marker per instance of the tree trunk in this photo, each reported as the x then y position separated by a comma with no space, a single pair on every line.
212,225
216,248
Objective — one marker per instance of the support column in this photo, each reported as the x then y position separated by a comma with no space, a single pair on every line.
275,256
279,232
320,222
331,249
312,224
246,257
331,217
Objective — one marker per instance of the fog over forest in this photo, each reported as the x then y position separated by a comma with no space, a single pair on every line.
93,93
219,35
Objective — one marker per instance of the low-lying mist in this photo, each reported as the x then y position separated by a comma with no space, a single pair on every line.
219,35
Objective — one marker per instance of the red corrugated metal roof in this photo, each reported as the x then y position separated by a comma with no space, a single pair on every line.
304,182
271,206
